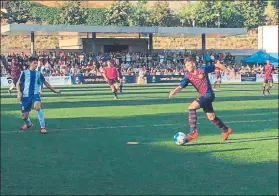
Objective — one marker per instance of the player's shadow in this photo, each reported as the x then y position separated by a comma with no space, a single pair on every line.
234,141
108,166
256,138
101,158
240,121
134,102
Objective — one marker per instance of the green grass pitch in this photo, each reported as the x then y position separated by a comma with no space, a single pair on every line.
85,151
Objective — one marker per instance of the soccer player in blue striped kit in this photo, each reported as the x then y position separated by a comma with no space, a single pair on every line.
28,88
198,77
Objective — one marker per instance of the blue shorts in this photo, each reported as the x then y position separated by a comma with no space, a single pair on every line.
205,102
27,102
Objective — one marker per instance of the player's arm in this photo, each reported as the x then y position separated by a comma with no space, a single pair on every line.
104,74
51,88
272,70
263,70
222,67
117,72
184,83
48,85
20,81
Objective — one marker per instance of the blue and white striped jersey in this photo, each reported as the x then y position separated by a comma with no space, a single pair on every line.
30,81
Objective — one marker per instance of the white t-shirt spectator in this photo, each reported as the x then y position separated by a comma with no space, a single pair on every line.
128,57
161,59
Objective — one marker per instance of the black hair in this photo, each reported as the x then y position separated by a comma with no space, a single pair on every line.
32,59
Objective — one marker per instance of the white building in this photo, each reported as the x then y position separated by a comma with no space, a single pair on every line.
268,38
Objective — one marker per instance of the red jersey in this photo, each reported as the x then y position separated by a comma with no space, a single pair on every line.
217,70
199,80
268,69
15,70
110,72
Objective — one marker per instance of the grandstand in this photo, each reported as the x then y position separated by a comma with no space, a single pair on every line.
28,29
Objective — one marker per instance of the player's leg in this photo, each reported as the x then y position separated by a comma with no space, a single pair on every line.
40,115
113,89
264,84
219,82
26,105
11,88
270,86
215,83
217,121
193,133
121,85
13,85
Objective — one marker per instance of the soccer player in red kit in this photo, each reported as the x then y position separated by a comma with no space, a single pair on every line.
15,73
198,77
121,79
268,70
218,77
112,77
120,76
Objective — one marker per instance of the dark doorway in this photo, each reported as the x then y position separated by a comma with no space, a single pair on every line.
115,48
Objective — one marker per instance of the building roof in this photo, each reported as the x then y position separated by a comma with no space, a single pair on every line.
26,29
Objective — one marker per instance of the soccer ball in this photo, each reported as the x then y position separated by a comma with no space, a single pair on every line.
179,138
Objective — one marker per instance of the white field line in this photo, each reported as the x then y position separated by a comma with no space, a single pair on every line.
136,126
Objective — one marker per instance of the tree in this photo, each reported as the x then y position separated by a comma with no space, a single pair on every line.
209,13
271,15
118,14
48,15
139,14
161,14
230,17
72,13
18,12
95,17
187,15
252,12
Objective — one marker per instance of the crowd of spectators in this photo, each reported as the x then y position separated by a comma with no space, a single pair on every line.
166,63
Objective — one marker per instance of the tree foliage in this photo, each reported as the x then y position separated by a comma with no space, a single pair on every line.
18,12
139,14
271,15
118,14
187,15
230,17
161,14
72,13
206,13
275,5
252,12
210,13
48,15
95,16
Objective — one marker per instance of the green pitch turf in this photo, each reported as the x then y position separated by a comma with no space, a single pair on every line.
86,151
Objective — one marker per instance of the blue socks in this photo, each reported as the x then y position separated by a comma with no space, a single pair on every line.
27,121
41,118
